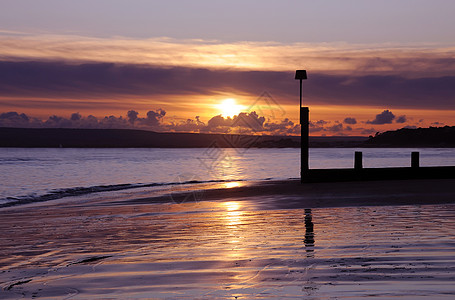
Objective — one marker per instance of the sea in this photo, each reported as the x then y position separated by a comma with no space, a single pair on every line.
40,174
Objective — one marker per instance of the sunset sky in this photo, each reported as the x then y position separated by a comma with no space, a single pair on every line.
171,65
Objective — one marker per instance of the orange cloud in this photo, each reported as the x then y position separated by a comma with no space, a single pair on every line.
412,60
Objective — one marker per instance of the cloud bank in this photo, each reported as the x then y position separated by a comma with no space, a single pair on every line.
91,81
154,120
244,123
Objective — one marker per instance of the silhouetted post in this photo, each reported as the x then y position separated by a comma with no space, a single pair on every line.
358,165
304,128
415,160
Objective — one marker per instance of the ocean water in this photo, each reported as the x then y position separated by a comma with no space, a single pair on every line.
43,174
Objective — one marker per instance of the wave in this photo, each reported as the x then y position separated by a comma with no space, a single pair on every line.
78,191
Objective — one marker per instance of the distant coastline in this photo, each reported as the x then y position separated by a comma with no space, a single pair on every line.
128,138
433,137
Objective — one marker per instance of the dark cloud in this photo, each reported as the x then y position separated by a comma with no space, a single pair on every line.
317,126
388,90
219,121
386,117
90,122
249,120
350,121
367,131
325,126
335,128
132,116
14,119
112,122
243,122
75,117
94,80
35,79
188,125
284,127
401,119
153,117
318,123
57,121
12,115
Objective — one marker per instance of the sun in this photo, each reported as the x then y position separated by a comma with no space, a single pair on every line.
229,108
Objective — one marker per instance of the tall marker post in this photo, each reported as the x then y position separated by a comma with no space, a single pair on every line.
304,129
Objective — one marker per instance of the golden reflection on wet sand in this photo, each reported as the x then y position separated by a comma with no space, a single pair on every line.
232,184
227,249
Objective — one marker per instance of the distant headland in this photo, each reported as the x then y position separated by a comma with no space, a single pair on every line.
433,137
128,138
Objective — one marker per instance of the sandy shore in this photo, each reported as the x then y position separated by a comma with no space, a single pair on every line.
278,240
293,194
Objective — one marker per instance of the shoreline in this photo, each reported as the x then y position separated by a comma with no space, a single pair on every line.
275,193
292,194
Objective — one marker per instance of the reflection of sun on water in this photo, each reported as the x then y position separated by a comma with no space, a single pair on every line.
233,214
232,205
233,219
237,241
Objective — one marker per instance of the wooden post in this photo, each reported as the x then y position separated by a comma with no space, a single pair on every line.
304,141
304,129
358,165
415,160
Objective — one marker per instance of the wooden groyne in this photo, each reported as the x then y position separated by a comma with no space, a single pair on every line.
358,173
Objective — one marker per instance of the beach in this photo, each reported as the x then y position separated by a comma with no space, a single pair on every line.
227,150
236,240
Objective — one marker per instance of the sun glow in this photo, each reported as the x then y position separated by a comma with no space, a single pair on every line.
229,108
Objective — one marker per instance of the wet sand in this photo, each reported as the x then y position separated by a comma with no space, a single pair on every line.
278,240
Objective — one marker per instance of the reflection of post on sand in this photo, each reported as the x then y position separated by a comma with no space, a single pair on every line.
310,286
309,231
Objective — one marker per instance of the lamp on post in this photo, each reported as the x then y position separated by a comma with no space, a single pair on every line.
304,128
